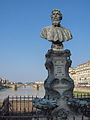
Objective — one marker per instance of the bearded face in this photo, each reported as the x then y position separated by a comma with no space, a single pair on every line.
56,18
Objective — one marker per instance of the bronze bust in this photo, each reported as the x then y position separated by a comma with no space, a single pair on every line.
56,33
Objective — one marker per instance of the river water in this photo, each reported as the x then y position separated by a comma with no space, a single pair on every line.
22,91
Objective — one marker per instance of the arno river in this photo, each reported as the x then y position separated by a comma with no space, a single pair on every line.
22,91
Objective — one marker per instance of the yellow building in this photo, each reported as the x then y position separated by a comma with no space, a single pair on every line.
3,81
81,74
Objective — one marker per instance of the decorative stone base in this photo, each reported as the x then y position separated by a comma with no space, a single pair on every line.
58,84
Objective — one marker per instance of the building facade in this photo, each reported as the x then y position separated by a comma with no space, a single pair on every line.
81,74
3,81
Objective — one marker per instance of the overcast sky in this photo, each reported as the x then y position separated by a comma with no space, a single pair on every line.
22,50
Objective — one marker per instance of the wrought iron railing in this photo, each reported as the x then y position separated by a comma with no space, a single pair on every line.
84,96
81,95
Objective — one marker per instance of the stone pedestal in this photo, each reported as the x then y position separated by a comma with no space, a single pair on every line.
58,84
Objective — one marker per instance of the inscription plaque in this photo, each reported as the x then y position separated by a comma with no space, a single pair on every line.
59,69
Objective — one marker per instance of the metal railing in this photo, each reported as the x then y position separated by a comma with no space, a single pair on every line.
83,96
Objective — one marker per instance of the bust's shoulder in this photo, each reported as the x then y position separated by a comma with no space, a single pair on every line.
67,32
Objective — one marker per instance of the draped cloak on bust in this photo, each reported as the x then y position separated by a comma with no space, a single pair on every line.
54,34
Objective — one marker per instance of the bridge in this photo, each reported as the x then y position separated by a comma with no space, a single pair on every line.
35,85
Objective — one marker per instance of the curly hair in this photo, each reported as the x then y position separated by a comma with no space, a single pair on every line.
58,11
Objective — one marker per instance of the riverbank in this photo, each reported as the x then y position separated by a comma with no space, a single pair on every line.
4,87
82,89
80,92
